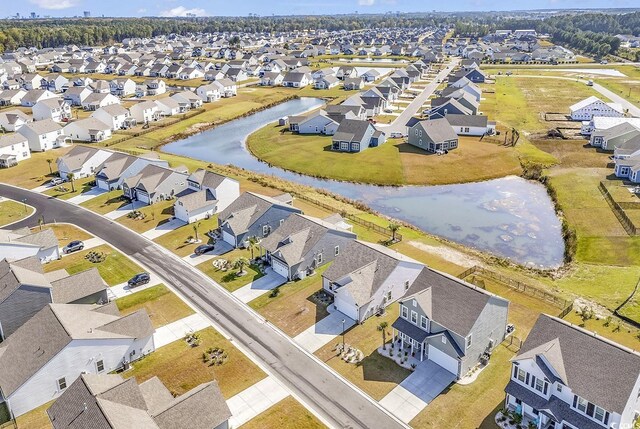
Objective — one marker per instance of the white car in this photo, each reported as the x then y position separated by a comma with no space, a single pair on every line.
396,135
56,181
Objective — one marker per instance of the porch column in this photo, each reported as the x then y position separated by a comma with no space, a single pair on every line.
401,342
393,337
421,352
412,343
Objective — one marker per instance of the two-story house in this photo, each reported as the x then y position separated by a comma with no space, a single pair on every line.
207,193
432,135
13,149
82,161
121,166
155,183
43,135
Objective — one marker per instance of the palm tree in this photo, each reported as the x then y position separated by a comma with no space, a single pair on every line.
195,227
383,327
239,264
50,161
252,242
393,227
41,222
72,176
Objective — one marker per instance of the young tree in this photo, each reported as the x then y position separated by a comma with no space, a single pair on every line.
383,328
50,161
41,222
252,242
393,227
195,227
239,264
72,176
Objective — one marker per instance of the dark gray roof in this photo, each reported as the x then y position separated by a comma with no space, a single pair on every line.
438,130
352,127
410,329
586,360
206,178
196,200
457,120
248,208
77,286
203,407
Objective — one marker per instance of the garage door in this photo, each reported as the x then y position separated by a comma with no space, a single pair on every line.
345,307
280,268
228,238
443,359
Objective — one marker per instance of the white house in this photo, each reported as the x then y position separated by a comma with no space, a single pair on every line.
210,92
82,161
167,106
365,278
56,109
592,106
49,352
144,112
318,123
13,149
35,95
76,95
122,87
115,115
22,243
88,130
43,135
97,100
12,120
12,97
209,193
471,125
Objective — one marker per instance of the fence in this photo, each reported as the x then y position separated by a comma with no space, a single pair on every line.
533,291
355,219
618,211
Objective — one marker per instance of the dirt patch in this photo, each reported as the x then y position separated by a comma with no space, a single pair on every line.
196,128
455,256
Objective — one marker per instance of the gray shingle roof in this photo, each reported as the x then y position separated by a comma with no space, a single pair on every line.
352,130
248,208
438,130
457,120
76,157
77,286
197,200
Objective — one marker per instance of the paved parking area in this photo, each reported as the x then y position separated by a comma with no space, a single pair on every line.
86,196
255,400
316,336
222,247
163,228
253,290
417,390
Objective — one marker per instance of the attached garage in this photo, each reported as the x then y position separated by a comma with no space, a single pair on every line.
229,238
345,305
280,268
443,359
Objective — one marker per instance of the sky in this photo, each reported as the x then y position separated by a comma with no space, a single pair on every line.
138,8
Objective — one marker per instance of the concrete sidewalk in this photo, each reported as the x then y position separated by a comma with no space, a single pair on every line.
163,229
122,289
253,290
255,400
88,244
86,196
177,330
324,331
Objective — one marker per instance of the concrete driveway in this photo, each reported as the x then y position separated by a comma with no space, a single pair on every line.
221,248
264,284
86,196
163,228
417,390
125,209
316,336
122,289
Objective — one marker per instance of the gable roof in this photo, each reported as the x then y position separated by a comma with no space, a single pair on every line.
248,208
438,130
352,130
77,286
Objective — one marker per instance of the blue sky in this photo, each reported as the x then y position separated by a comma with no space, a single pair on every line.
279,7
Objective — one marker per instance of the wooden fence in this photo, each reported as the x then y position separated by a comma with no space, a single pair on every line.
618,211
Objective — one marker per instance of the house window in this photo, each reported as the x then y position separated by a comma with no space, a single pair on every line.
415,303
416,131
559,388
423,322
62,383
319,258
414,317
469,341
405,312
539,385
521,375
444,339
336,251
100,366
582,404
406,285
598,414
389,296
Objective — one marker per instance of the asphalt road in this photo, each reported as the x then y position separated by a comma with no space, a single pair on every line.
340,404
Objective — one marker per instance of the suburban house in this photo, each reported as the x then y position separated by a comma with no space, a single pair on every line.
82,161
440,107
155,183
432,135
303,243
76,95
12,120
592,106
40,360
471,125
145,111
616,135
365,278
97,100
121,166
253,215
316,123
122,87
110,401
33,96
567,377
353,84
43,135
450,322
12,97
207,193
22,243
296,79
187,100
88,130
626,157
115,116
26,289
601,123
210,92
56,109
13,149
353,135
326,82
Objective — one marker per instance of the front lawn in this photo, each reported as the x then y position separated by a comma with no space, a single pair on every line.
292,309
153,215
34,419
68,190
230,279
180,366
65,232
115,269
286,414
33,172
176,240
162,305
13,211
106,202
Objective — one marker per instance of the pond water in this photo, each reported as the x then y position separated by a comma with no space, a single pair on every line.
509,217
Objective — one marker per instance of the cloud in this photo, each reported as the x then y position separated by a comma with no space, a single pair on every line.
183,11
55,4
366,2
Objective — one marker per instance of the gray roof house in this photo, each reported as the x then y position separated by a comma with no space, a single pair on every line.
207,193
51,350
365,278
155,183
352,135
470,125
110,401
565,376
432,135
303,243
120,166
252,215
25,289
450,322
22,243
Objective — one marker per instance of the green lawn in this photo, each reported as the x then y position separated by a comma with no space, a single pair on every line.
162,305
68,190
286,414
106,202
65,232
12,211
230,279
34,171
180,366
176,240
154,215
115,269
34,419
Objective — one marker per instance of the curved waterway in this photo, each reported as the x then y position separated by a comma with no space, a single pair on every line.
509,217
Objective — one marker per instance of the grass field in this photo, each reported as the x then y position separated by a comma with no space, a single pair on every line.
286,414
162,305
230,279
115,269
180,366
106,202
154,215
34,419
13,211
176,239
403,163
67,190
34,171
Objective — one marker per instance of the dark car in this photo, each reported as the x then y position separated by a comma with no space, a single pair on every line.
139,280
74,246
204,248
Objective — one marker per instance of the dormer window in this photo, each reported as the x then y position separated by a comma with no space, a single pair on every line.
405,312
406,285
336,251
468,342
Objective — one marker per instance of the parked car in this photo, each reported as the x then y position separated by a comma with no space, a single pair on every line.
56,181
139,280
388,111
74,246
590,83
204,248
396,135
